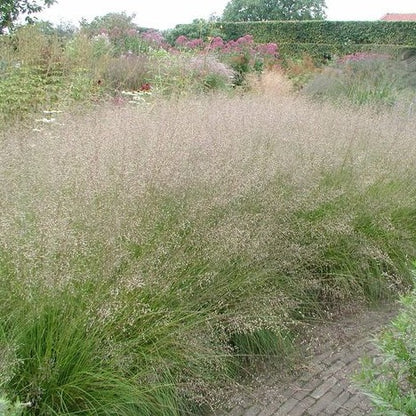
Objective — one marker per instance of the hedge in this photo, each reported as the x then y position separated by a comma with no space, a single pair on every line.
321,39
324,52
325,32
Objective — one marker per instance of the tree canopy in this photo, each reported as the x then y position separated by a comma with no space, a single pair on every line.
111,21
10,10
260,10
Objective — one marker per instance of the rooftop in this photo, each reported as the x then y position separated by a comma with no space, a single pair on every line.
399,17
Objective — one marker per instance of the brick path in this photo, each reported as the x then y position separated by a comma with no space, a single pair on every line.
322,386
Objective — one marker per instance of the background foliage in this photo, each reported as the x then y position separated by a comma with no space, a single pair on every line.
258,10
320,39
10,10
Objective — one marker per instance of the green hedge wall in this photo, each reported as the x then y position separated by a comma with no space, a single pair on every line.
321,53
320,39
325,32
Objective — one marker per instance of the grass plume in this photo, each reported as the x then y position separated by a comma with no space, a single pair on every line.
141,247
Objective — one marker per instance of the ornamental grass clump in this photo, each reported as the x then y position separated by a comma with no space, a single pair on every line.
127,72
364,78
148,252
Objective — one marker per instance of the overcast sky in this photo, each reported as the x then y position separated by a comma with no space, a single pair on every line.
165,14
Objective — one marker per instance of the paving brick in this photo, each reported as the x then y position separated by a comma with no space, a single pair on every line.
353,401
343,398
301,409
338,389
321,357
353,356
324,387
237,411
289,391
270,409
253,410
286,407
337,403
312,384
323,403
335,357
301,393
333,369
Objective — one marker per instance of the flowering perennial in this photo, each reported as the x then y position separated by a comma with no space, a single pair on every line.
243,54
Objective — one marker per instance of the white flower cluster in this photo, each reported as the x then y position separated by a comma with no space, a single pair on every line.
102,37
136,97
48,119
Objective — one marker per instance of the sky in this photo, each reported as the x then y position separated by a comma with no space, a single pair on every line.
166,14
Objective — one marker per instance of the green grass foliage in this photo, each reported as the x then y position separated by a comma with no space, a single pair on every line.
390,381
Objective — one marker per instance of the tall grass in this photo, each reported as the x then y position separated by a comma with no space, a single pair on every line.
143,250
366,78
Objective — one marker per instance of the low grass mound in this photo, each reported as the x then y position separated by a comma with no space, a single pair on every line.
147,251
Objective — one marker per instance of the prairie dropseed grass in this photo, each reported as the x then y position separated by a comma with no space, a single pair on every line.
144,251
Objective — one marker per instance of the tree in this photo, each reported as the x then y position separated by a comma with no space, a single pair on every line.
260,10
121,22
10,10
199,29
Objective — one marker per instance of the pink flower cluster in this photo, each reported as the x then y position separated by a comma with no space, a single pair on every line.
184,42
131,32
244,44
216,43
205,65
268,49
155,38
151,37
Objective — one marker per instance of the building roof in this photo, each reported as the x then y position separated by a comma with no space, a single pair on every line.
399,17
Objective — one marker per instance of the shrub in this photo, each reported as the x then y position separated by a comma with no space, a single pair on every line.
39,72
32,47
127,72
242,55
300,70
198,29
184,73
22,89
9,409
390,380
210,73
